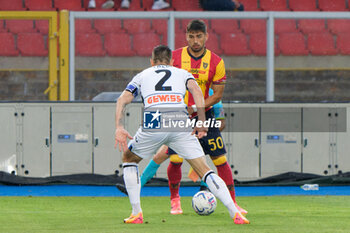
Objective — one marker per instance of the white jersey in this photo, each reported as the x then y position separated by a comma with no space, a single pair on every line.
162,86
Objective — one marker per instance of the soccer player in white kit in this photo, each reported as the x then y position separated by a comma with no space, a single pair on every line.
164,86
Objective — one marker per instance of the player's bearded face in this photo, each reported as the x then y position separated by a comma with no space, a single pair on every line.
196,40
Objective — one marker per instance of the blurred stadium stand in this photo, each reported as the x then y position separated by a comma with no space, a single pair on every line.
89,44
302,5
32,44
321,43
285,25
19,26
343,43
235,44
42,26
7,44
104,26
250,5
332,5
274,5
292,43
145,42
186,5
223,31
118,49
73,5
13,5
39,5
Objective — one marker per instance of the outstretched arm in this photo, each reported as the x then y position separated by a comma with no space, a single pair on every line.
121,134
218,91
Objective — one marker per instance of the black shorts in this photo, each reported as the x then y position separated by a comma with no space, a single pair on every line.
212,144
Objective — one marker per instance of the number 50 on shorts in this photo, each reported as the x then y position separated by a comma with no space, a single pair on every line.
216,143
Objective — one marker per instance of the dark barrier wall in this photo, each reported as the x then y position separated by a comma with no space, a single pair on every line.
290,86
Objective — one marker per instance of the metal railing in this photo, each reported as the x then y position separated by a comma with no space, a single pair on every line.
270,16
51,16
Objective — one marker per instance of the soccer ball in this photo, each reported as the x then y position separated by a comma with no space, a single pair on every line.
204,203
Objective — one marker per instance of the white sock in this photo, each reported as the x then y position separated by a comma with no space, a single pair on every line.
218,187
133,185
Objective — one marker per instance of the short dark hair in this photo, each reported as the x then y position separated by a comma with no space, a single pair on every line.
196,26
161,53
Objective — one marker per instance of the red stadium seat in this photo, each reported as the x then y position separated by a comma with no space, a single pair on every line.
180,25
343,43
12,5
137,25
273,5
253,25
292,44
321,43
39,5
213,44
84,26
234,44
186,5
42,26
302,5
108,25
18,26
89,44
2,26
32,44
180,40
7,44
332,5
285,25
250,5
337,26
72,5
161,27
257,43
311,25
118,44
224,25
99,5
143,43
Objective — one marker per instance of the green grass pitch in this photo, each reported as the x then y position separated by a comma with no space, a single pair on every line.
280,214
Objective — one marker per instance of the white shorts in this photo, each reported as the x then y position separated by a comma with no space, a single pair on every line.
146,144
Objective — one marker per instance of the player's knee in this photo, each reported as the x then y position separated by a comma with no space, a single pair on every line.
161,155
219,160
160,158
176,159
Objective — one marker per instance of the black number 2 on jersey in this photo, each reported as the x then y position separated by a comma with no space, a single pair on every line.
159,86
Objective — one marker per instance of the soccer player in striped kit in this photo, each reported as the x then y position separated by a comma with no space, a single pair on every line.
209,71
160,80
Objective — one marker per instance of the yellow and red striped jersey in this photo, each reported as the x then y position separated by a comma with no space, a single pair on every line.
207,69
